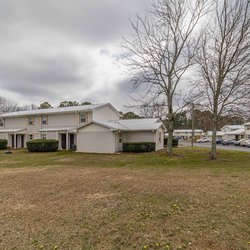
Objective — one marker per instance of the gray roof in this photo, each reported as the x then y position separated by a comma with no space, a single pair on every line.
236,132
131,124
14,130
82,108
246,124
187,131
53,129
219,133
233,127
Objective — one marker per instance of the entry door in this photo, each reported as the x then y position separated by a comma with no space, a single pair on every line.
119,141
13,141
63,141
22,141
71,141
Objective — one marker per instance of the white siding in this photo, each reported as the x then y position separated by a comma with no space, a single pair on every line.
147,136
95,142
93,127
22,123
105,114
143,136
94,138
16,122
51,135
62,120
4,136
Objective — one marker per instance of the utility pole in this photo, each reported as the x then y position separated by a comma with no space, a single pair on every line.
193,128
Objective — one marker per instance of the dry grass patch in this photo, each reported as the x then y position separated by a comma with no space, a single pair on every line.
67,207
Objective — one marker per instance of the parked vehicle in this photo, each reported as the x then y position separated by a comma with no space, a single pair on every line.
219,141
237,143
227,142
244,143
204,139
248,145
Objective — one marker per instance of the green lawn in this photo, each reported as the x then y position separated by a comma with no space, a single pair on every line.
68,200
188,158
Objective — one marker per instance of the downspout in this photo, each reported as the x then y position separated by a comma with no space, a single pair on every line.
78,118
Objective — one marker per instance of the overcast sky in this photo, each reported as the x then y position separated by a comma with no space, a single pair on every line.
54,50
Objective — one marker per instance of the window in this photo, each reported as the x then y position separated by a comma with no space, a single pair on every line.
83,117
44,119
1,123
43,136
120,138
30,137
30,120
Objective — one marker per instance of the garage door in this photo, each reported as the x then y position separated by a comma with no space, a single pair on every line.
95,142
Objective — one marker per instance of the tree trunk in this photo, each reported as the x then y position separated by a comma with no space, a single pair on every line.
170,133
193,127
213,152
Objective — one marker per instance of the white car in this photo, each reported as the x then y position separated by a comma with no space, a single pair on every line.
204,139
238,143
245,143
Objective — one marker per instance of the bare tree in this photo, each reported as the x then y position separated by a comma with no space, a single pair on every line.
153,110
7,106
162,50
224,61
28,107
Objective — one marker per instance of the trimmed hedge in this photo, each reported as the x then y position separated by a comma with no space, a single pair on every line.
138,147
3,143
175,142
41,145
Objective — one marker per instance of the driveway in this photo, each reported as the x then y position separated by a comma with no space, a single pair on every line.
219,146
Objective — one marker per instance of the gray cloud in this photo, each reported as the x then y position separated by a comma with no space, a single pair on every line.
93,21
53,50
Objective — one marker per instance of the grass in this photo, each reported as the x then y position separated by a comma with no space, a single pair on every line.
68,200
187,158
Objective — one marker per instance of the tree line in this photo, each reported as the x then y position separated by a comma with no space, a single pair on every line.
202,119
7,105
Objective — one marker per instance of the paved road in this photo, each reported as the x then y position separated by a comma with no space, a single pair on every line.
219,146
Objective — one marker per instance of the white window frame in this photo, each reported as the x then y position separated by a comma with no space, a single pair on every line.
30,137
120,138
44,119
83,117
1,122
43,136
30,120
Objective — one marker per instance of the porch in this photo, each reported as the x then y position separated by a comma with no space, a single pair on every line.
65,136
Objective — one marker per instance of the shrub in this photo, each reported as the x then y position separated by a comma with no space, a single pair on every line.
175,142
138,147
41,145
3,143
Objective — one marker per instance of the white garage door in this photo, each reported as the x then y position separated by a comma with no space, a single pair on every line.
95,142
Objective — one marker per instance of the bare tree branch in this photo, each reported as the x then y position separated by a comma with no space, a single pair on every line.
162,49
